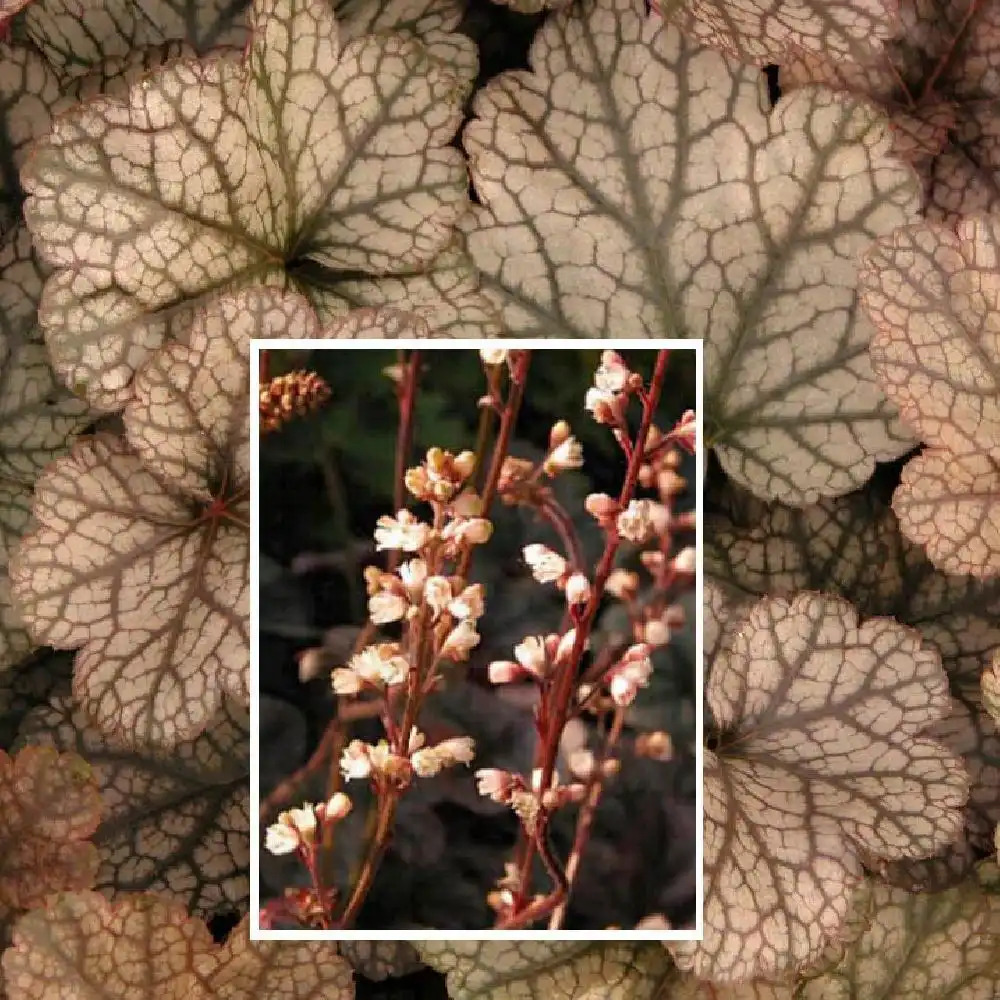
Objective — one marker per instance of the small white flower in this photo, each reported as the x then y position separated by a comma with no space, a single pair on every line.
659,517
494,783
685,431
457,750
565,648
437,594
493,355
355,761
281,839
612,373
413,574
468,604
504,672
631,673
577,589
546,566
295,828
530,653
605,406
467,531
387,607
426,763
623,584
345,681
686,561
404,531
337,808
656,632
569,455
460,641
635,523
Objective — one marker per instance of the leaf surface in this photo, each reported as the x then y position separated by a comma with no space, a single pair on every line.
853,547
763,31
537,970
140,554
84,948
938,79
820,759
918,945
308,164
633,185
29,89
37,417
176,823
932,292
49,808
77,35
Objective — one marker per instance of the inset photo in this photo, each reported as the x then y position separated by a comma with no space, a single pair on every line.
476,639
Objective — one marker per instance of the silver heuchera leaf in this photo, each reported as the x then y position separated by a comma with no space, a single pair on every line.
633,184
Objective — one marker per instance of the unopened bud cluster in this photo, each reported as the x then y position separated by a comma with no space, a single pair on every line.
288,396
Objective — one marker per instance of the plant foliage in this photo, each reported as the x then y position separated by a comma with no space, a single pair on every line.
178,177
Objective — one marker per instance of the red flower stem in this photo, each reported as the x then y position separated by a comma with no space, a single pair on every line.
388,798
407,395
519,377
558,709
562,524
586,818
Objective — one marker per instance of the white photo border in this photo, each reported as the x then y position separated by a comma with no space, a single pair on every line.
411,343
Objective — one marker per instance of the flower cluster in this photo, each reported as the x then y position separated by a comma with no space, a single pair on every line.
383,763
438,611
295,829
289,396
611,684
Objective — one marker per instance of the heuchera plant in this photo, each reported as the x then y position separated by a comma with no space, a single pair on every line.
184,175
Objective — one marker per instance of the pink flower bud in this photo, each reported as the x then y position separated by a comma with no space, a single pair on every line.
505,672
685,431
601,506
337,808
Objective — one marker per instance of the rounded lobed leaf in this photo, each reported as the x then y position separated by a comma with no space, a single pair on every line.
853,547
937,78
763,31
820,759
49,808
633,185
174,822
919,945
930,291
536,970
150,585
275,970
81,946
141,551
308,161
77,35
37,418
